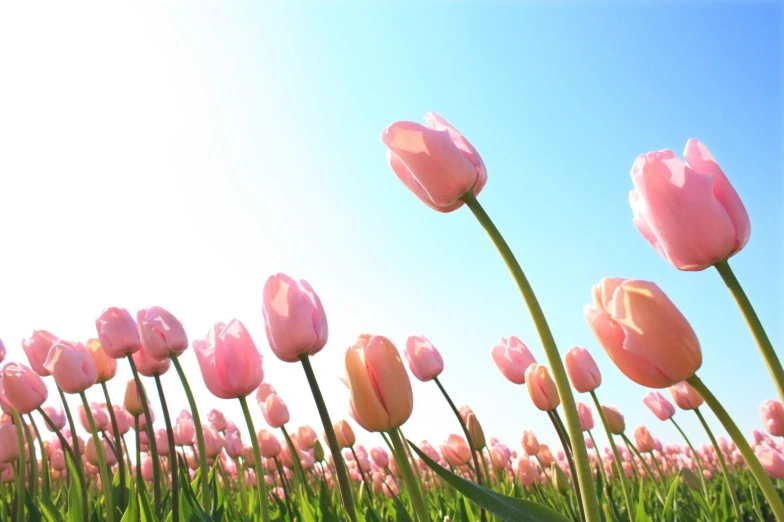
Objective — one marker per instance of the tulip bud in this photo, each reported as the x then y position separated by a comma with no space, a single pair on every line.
475,432
318,451
614,419
560,480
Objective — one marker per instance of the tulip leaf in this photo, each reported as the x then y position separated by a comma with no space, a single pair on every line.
75,512
132,511
670,500
506,508
34,514
49,509
145,505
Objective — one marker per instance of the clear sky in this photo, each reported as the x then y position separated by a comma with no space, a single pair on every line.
178,156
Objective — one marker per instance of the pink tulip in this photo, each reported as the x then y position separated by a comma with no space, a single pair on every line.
456,451
294,319
381,457
100,417
117,332
530,443
500,456
37,347
149,366
582,370
24,389
104,365
229,361
685,396
586,416
184,432
423,359
435,162
643,332
659,406
268,444
56,415
771,460
541,388
644,440
161,334
217,420
526,471
71,366
772,417
9,446
123,421
2,351
275,411
57,460
513,358
307,436
689,212
147,473
233,444
213,444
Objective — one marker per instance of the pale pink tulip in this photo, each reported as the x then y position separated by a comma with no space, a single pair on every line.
512,358
23,388
71,366
229,361
161,334
423,358
117,332
659,406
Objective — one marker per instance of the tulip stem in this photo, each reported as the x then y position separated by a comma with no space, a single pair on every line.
106,481
408,477
768,489
20,471
203,475
33,461
76,463
72,427
362,474
298,471
118,447
618,462
340,466
645,465
260,485
696,460
156,463
559,428
139,480
465,432
598,455
755,325
175,487
722,463
284,484
46,480
590,501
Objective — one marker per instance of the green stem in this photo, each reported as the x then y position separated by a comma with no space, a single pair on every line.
203,475
582,463
559,428
106,481
33,461
598,456
139,480
117,445
295,458
662,478
414,466
618,462
489,482
262,487
46,480
285,485
768,489
755,325
365,476
337,457
696,460
76,449
631,456
722,463
408,477
175,486
156,463
241,484
465,432
645,465
20,471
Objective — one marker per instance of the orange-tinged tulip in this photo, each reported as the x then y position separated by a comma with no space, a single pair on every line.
643,332
644,440
614,420
345,434
530,443
106,366
133,403
541,387
381,395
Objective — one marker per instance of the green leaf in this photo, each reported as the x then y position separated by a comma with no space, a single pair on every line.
670,500
327,513
132,511
147,514
642,514
189,504
463,511
401,513
506,508
33,515
49,509
75,512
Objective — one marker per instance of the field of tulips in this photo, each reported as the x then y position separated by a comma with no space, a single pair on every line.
127,459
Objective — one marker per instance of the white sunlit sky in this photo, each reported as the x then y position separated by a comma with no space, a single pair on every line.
178,154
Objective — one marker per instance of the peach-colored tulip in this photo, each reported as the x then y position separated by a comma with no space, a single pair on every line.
161,334
530,443
685,396
435,162
689,212
423,358
456,450
133,402
772,417
541,388
582,370
269,445
294,318
9,446
24,389
614,420
345,434
643,332
643,440
307,436
71,366
149,366
545,455
229,361
118,332
105,366
586,417
659,406
56,415
513,358
772,460
37,347
381,394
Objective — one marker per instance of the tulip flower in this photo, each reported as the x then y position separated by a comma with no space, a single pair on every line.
475,432
512,358
229,361
217,420
541,388
133,402
71,366
643,332
118,332
23,388
56,415
9,447
268,444
615,422
435,162
586,417
294,319
381,457
685,396
643,440
307,436
423,358
659,406
530,443
344,434
582,370
456,451
149,366
772,417
772,460
2,351
162,335
37,347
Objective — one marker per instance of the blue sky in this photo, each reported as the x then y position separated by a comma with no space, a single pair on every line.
179,156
